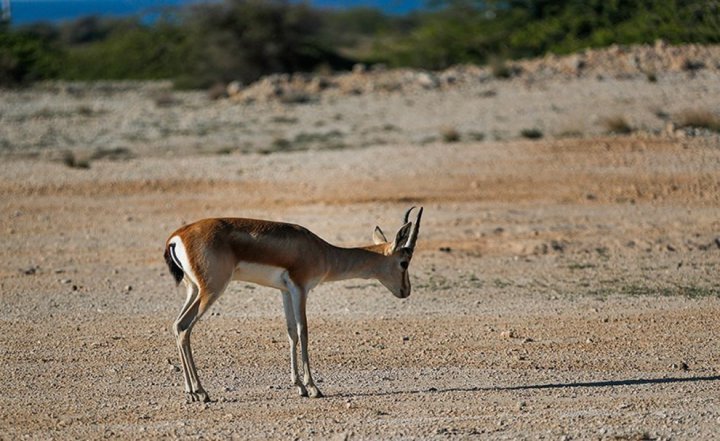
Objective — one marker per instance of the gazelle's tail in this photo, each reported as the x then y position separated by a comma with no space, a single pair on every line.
171,260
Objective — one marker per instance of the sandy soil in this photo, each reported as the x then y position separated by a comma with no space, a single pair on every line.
563,288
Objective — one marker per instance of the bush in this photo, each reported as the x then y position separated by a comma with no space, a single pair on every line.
244,40
212,42
130,52
25,57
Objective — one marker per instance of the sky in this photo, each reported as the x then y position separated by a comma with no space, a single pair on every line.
29,11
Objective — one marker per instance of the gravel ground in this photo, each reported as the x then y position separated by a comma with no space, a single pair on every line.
563,288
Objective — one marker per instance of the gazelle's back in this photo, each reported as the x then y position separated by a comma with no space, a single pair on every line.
250,240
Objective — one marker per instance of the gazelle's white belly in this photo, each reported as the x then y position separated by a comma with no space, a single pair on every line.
266,275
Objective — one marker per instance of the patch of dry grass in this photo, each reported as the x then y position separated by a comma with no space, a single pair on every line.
450,134
617,124
533,133
698,118
69,159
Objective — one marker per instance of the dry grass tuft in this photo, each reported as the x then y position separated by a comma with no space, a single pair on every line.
531,133
450,134
698,118
618,125
217,91
165,99
69,159
501,69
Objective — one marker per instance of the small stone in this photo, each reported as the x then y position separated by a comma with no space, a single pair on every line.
128,288
234,88
508,334
427,80
31,270
681,366
359,68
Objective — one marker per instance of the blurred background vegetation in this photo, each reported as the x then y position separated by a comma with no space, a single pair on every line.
204,44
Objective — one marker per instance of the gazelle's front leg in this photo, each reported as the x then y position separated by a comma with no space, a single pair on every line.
293,339
298,295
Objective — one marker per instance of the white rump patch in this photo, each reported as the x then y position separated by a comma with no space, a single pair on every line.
265,275
182,257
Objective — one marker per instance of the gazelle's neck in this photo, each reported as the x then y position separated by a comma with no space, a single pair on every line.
355,263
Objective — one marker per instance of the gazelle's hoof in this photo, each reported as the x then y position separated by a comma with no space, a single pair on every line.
314,392
201,396
302,391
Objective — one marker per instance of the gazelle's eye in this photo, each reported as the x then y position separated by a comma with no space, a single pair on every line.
404,265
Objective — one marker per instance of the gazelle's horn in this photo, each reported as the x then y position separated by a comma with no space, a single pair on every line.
415,229
407,215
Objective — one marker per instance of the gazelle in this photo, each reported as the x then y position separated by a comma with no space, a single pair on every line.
208,254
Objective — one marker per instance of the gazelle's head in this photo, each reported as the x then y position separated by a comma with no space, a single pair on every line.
399,253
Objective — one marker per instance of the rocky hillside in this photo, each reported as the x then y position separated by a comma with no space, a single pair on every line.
613,62
654,90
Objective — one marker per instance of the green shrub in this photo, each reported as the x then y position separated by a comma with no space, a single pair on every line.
25,57
246,39
138,52
218,42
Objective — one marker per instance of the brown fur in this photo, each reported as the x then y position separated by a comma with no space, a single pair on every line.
215,246
285,256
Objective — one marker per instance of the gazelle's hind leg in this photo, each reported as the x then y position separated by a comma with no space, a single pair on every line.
183,327
293,338
192,291
189,316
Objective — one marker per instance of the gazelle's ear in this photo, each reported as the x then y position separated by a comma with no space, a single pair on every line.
379,236
402,236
